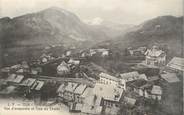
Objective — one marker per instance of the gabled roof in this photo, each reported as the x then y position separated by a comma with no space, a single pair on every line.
138,83
75,62
177,63
87,92
104,75
15,78
80,89
8,90
11,77
18,79
143,76
129,75
37,85
71,87
154,52
130,101
61,88
28,82
170,77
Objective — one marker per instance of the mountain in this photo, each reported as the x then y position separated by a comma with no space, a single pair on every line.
53,25
27,33
165,31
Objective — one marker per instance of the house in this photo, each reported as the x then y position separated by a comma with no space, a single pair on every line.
105,53
153,79
15,78
61,90
140,87
44,60
25,65
101,97
92,105
110,95
176,64
155,57
68,53
8,90
5,70
136,52
63,69
69,91
92,52
143,76
74,62
15,67
130,101
156,92
20,71
101,52
78,92
34,71
130,76
37,85
170,77
28,82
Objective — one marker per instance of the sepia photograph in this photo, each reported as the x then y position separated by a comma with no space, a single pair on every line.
91,57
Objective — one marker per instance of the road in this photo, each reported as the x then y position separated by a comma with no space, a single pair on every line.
62,79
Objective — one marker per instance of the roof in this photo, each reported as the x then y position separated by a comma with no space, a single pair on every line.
138,83
129,75
11,77
105,75
15,78
143,76
156,90
61,88
87,92
28,82
15,66
71,87
37,85
80,89
177,63
91,109
5,69
20,70
18,79
130,101
108,92
8,90
153,78
75,62
154,52
63,67
170,77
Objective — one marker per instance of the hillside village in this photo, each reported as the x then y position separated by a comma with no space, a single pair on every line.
86,83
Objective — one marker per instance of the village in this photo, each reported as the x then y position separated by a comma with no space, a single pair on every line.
79,81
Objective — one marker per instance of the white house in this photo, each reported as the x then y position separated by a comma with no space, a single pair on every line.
156,92
155,57
111,80
63,69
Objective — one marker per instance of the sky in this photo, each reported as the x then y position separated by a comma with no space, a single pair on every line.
118,11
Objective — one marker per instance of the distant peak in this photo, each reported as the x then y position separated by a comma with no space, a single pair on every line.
54,8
